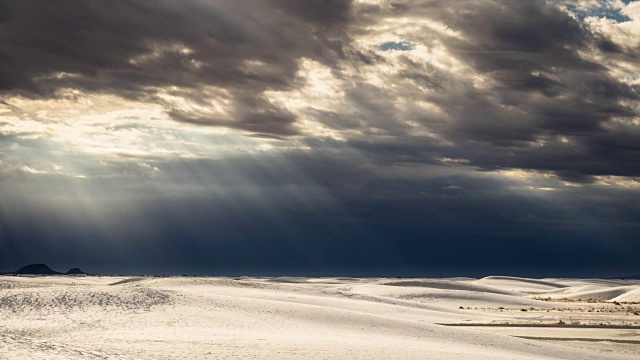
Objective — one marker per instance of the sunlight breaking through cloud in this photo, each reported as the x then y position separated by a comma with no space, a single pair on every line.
384,124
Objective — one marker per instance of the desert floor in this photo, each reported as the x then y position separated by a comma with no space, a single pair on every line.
66,317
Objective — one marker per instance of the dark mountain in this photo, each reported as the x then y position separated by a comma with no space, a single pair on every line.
35,269
75,271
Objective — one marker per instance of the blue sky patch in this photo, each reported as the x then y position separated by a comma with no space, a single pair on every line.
397,45
605,10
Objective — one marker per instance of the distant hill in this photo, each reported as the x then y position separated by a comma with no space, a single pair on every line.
75,271
35,269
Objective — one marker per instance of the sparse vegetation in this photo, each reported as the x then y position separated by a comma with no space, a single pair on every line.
587,300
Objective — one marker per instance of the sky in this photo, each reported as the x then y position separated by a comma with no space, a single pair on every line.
321,138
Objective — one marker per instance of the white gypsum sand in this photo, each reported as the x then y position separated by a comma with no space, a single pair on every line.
63,317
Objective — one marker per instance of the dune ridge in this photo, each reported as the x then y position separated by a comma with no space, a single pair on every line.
317,318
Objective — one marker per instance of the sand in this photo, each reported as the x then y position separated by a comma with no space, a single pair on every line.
87,317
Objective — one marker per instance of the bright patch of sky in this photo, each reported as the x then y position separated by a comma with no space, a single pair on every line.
608,9
397,45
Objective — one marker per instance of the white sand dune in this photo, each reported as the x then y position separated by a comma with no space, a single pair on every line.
599,293
580,288
629,296
450,298
611,290
597,282
521,285
449,285
297,318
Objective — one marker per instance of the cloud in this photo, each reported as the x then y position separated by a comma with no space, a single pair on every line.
525,85
368,119
317,214
137,48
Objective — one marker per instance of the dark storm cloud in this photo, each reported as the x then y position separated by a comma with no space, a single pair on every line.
421,121
253,114
131,48
541,84
317,214
324,12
